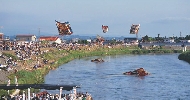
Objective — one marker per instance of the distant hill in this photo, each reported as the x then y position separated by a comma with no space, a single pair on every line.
91,37
68,37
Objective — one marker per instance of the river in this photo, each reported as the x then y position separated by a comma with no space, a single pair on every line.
169,78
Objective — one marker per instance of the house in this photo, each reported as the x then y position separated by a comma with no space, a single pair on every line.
168,40
130,40
1,36
26,38
51,39
75,40
185,41
89,40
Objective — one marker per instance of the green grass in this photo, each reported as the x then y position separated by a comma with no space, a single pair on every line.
185,56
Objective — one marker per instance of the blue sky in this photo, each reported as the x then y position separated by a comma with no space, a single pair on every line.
164,17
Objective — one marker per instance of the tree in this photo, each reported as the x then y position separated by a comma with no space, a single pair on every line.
187,37
146,39
82,41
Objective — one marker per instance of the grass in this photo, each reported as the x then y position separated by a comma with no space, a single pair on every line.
185,56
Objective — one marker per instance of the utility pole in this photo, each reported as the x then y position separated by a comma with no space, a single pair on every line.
137,36
38,33
180,33
1,28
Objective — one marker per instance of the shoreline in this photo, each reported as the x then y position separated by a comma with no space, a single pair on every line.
63,56
185,56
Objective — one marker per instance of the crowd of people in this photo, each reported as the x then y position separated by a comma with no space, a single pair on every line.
23,51
31,50
47,96
27,51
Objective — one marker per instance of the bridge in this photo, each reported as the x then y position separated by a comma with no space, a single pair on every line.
38,86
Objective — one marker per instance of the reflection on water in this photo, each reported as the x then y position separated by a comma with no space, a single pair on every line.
169,78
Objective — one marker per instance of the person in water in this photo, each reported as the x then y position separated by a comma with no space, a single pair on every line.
139,72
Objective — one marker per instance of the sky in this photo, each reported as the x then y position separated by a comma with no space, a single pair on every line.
164,17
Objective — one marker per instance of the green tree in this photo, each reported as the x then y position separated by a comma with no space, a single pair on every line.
82,41
187,37
146,39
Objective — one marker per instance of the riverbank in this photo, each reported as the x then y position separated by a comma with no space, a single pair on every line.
105,81
56,57
185,56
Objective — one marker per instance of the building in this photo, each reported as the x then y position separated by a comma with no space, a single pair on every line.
130,40
1,36
89,40
75,40
169,40
185,41
26,38
50,39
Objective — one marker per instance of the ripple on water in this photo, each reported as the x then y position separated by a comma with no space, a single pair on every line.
169,78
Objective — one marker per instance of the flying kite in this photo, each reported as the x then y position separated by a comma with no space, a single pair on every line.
64,28
105,28
134,29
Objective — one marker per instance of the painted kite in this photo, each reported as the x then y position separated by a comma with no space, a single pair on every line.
105,28
64,28
134,29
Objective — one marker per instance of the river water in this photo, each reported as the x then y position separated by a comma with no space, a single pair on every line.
169,78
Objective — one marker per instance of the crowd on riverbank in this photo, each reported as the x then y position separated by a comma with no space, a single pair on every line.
33,51
46,96
20,54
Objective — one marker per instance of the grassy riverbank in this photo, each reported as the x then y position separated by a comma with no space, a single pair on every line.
185,56
58,57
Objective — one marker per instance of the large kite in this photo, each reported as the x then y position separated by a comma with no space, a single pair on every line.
105,28
134,29
64,28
